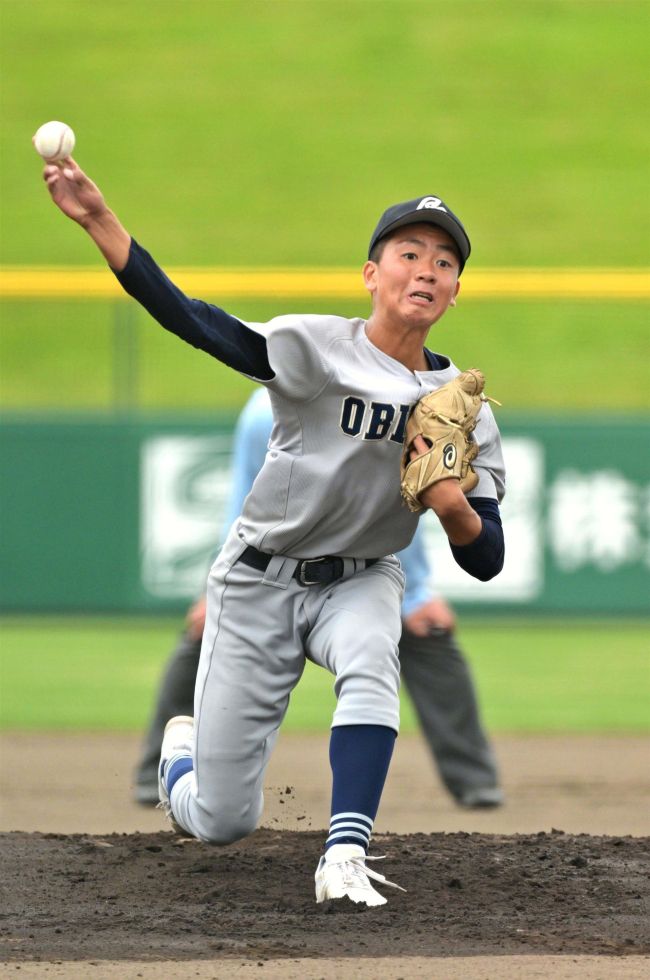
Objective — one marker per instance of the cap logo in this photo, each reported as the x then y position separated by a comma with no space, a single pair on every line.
431,202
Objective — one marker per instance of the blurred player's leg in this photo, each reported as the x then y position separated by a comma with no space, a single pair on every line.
175,697
440,684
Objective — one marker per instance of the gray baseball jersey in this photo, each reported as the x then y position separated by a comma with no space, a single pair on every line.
330,482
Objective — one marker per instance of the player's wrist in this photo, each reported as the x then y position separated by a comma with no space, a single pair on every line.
446,499
110,237
100,219
443,497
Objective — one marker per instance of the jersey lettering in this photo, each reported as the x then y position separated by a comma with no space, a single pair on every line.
375,421
431,202
400,428
352,415
382,416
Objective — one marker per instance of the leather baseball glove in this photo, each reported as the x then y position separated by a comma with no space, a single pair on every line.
445,419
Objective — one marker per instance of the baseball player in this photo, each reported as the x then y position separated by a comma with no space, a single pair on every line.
436,673
308,570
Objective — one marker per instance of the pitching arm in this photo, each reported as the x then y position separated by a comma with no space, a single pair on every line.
81,200
202,325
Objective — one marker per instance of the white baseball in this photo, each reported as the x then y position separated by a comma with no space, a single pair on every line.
54,141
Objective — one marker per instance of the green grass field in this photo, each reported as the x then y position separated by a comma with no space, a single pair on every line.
538,356
249,131
272,132
533,676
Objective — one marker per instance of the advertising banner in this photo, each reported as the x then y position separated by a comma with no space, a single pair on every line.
127,514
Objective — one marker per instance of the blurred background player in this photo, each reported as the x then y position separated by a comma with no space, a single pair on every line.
432,665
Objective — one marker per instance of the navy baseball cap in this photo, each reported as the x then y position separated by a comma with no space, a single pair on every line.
424,209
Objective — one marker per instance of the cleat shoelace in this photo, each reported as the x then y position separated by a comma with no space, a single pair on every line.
356,872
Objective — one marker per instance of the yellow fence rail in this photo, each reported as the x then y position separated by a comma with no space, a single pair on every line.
89,282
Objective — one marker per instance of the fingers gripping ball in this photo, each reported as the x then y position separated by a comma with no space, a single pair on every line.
54,141
445,419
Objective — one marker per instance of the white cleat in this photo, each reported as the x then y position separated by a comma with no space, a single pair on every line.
342,873
177,743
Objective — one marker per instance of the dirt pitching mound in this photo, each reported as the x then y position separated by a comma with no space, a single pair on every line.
162,897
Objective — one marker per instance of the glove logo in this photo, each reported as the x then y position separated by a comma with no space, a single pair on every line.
431,202
449,456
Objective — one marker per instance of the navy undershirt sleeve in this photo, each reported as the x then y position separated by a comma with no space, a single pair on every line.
483,557
202,325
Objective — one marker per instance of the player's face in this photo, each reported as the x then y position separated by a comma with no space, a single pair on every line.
416,279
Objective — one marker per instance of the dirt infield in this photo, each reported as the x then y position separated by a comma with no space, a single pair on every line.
135,896
95,886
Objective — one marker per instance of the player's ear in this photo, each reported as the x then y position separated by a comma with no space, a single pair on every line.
453,299
369,272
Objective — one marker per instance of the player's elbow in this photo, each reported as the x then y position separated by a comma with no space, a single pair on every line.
490,571
483,558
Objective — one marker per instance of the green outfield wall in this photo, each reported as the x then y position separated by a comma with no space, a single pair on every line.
122,515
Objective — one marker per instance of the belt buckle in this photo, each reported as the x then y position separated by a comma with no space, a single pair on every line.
302,574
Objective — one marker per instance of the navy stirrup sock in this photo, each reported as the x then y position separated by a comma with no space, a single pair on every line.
359,757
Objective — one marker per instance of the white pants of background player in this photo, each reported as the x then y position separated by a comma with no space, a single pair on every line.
260,628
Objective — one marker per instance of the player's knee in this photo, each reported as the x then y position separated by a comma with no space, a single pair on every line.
224,826
222,835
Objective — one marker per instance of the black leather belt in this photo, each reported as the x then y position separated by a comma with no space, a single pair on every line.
309,571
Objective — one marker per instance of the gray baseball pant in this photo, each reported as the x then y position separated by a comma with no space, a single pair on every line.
437,677
259,631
